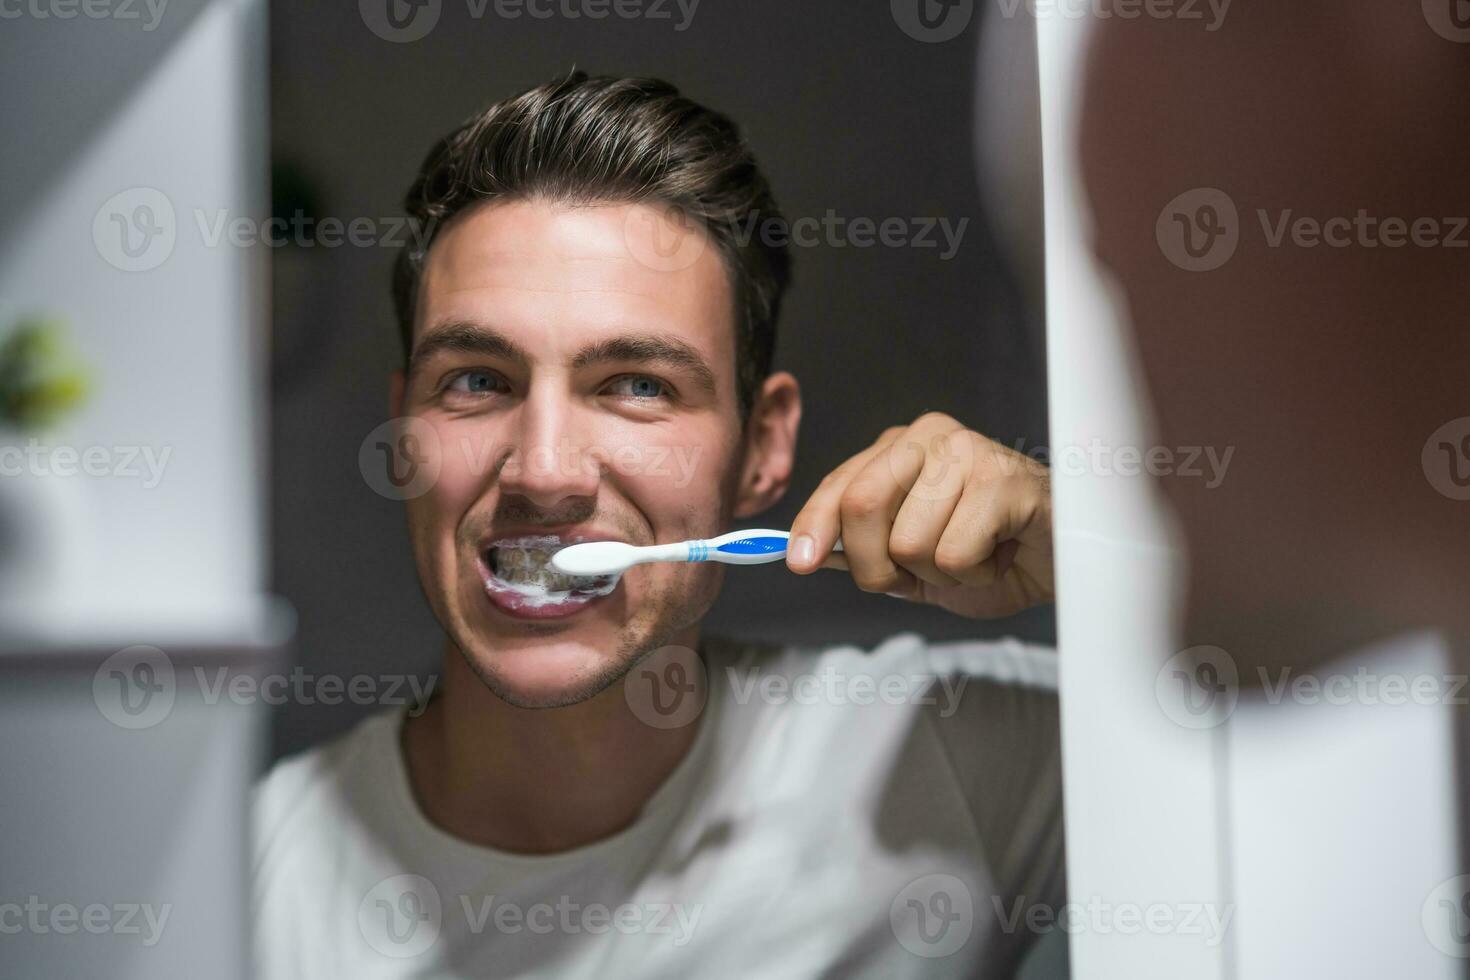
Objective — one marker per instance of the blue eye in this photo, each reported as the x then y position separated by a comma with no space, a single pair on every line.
639,386
475,382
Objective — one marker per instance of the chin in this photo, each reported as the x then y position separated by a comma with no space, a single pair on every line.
531,660
548,671
546,654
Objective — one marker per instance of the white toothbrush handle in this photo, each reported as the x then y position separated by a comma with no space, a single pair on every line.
674,551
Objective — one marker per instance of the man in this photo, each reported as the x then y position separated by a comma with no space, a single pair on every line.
598,788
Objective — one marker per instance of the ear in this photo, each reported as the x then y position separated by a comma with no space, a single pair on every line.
769,445
396,384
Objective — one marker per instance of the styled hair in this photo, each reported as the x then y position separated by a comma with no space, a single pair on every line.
589,140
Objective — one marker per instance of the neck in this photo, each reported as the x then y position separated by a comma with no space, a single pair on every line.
536,780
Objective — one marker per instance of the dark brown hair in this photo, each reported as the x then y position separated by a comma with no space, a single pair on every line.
588,139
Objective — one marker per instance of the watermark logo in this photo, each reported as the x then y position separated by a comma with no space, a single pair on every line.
135,230
1446,459
1199,230
667,689
933,916
401,916
932,21
933,467
400,21
400,459
1198,687
664,238
136,687
1445,917
1450,19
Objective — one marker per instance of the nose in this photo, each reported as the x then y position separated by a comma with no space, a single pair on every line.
549,462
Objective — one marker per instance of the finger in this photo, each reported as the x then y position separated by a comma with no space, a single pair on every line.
931,463
837,560
819,523
980,543
934,458
867,508
916,533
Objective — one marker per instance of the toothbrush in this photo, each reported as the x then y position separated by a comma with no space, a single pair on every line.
754,546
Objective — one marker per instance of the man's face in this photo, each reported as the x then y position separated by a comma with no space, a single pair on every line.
576,392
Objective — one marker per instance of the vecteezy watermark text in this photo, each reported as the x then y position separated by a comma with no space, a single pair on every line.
405,21
833,230
402,917
36,458
137,687
834,686
302,687
1200,230
1200,687
39,917
1099,458
1210,12
124,10
138,229
1204,919
667,238
936,21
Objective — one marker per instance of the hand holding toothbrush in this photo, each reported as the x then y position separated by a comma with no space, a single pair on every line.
931,512
934,512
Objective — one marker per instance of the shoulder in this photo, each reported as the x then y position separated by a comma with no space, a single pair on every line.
1006,662
959,690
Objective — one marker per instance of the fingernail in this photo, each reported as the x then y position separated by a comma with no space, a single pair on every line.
803,549
896,595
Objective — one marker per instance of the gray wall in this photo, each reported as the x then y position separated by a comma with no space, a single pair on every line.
846,112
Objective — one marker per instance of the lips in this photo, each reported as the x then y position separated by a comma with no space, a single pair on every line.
520,581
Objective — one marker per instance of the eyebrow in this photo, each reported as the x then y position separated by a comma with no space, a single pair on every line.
465,337
650,348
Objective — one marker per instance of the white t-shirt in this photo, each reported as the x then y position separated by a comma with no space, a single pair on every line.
890,813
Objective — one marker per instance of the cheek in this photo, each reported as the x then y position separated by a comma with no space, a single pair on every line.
678,477
466,456
456,459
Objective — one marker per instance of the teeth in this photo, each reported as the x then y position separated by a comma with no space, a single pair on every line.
526,567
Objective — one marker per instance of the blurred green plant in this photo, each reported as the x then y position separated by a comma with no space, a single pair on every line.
40,378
